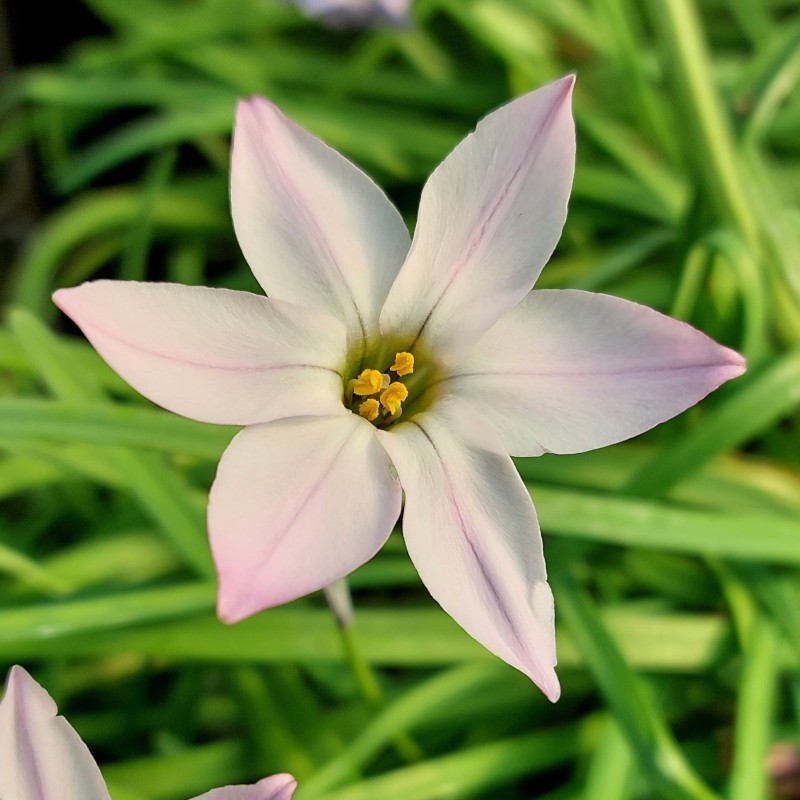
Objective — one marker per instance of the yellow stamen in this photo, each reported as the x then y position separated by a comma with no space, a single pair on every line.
392,398
370,381
369,409
403,364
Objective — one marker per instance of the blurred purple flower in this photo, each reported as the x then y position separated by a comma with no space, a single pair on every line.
354,13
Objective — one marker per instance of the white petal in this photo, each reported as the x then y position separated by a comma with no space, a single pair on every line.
41,756
276,787
568,371
315,229
212,354
296,505
472,533
489,219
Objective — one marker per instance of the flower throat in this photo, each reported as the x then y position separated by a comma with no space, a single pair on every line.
378,396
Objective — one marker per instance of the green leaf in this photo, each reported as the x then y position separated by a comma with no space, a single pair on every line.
110,425
754,711
647,734
653,525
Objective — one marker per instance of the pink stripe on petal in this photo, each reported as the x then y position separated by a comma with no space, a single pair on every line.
489,219
212,354
314,228
472,533
568,371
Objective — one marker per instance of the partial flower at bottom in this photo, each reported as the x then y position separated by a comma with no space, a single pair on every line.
42,758
374,356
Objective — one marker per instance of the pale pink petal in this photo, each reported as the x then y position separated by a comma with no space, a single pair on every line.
315,229
212,354
472,533
41,756
276,787
346,13
489,219
568,371
296,505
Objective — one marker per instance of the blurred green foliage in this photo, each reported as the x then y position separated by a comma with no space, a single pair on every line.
675,559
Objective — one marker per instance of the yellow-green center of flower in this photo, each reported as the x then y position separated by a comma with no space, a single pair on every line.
378,396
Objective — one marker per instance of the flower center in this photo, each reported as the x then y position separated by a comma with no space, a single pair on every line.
379,396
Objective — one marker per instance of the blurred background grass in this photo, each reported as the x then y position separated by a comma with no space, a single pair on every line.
675,558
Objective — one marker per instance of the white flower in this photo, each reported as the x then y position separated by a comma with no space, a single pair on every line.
320,370
42,758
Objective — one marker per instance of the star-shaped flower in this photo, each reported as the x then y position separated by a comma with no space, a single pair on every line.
42,758
375,357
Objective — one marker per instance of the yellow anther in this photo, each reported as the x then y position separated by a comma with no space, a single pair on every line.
369,409
403,364
370,381
392,398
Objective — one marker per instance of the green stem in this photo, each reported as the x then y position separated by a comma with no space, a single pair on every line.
366,679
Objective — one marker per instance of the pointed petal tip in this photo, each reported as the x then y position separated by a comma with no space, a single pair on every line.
257,112
561,87
69,298
232,606
20,680
737,361
730,365
566,86
275,787
252,118
72,300
568,82
253,102
290,785
236,601
21,686
61,298
550,686
17,677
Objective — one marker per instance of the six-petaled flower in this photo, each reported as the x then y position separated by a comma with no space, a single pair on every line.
376,362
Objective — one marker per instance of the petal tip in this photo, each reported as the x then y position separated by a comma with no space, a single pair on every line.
257,110
547,681
568,82
231,607
236,601
289,787
17,677
252,102
20,685
738,362
731,364
61,298
70,299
